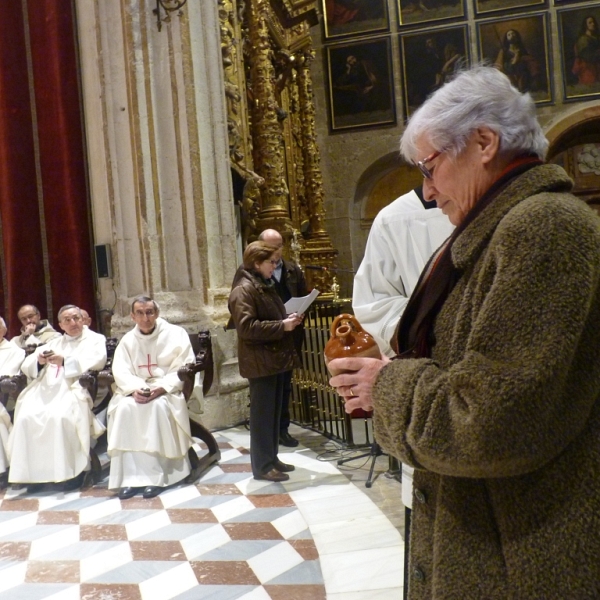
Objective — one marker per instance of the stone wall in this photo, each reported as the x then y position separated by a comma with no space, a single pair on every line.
347,157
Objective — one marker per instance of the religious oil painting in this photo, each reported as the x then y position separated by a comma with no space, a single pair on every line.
520,48
489,6
354,17
429,60
580,52
414,12
361,87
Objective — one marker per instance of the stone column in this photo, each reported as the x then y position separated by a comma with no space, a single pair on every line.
159,171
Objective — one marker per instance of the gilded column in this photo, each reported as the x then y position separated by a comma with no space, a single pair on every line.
318,250
267,136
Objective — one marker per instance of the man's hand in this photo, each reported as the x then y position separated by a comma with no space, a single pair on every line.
28,329
355,383
48,356
146,395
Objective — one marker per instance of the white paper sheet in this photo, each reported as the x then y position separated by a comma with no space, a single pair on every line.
300,305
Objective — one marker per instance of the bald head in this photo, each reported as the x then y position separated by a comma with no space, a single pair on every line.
2,329
28,313
86,317
271,237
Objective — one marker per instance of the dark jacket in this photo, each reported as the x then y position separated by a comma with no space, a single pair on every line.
502,423
292,285
264,347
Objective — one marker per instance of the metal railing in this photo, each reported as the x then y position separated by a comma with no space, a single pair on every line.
314,403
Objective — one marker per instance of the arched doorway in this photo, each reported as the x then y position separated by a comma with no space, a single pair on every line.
575,145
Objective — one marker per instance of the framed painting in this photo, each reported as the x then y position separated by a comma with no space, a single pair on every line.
520,48
361,85
354,17
429,59
580,52
483,7
416,12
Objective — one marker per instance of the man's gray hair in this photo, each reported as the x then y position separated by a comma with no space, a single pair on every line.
479,97
62,309
144,299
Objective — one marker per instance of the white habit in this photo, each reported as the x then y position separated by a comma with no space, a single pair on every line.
11,357
54,423
42,336
403,237
148,443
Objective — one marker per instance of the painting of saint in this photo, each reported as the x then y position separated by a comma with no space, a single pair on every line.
411,12
429,60
580,38
360,84
519,47
352,17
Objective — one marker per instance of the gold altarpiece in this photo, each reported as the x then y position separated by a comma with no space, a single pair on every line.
267,52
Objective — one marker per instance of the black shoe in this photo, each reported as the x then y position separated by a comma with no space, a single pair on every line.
129,492
283,467
33,488
152,491
73,484
272,475
285,439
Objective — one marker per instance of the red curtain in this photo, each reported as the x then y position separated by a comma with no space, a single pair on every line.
44,223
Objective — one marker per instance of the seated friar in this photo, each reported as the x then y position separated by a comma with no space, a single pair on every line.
53,421
34,330
149,439
11,357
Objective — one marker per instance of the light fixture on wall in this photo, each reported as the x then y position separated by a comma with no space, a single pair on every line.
168,6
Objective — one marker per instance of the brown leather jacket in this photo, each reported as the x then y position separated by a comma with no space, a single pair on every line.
264,347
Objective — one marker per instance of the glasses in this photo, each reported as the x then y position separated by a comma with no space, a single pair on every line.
421,164
142,313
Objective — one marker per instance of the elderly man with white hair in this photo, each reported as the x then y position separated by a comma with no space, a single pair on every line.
54,423
11,357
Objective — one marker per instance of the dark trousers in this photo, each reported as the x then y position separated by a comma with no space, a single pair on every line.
266,394
284,422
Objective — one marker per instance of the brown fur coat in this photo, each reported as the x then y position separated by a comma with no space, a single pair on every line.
503,422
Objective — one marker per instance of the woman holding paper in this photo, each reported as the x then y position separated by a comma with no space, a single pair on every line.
265,352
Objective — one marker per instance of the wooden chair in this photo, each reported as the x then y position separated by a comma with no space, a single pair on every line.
94,380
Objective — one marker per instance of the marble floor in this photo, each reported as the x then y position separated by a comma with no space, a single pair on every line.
322,534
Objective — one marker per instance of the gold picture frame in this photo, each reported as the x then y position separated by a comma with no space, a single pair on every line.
360,84
429,59
520,47
343,18
485,7
580,52
419,12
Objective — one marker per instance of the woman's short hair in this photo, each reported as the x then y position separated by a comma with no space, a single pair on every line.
479,97
257,252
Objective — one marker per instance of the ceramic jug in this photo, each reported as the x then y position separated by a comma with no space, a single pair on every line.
348,338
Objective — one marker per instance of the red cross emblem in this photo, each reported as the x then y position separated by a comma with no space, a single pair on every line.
148,366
